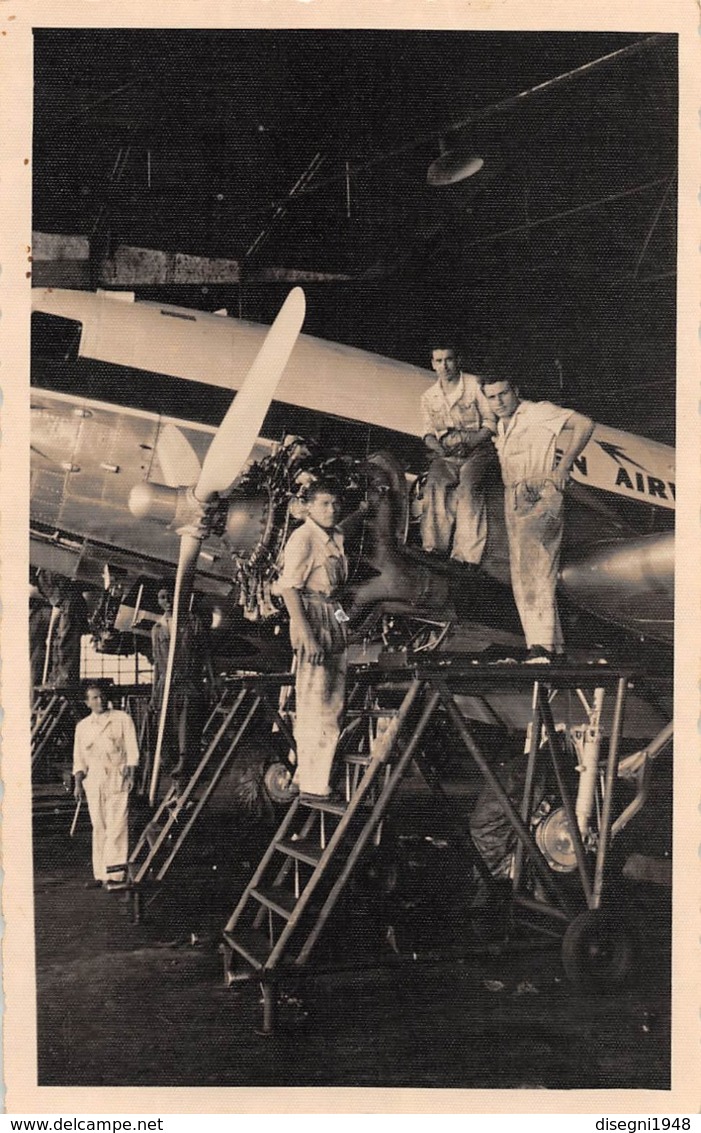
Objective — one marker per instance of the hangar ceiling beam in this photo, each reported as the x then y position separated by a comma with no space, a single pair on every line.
64,261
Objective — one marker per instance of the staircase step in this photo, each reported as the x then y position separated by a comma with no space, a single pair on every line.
280,900
331,806
358,760
253,946
304,849
372,713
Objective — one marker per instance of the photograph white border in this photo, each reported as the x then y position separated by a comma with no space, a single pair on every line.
16,76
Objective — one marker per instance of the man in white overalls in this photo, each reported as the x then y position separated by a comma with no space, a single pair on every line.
458,425
528,434
315,568
105,757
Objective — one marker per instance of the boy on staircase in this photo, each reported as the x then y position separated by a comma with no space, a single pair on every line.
314,570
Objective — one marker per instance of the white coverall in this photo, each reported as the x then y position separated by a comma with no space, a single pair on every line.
534,513
454,505
316,566
105,745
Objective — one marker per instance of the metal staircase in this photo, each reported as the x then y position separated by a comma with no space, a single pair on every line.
52,714
305,870
307,865
163,837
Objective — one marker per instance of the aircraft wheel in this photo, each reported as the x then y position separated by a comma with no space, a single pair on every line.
278,783
376,875
597,951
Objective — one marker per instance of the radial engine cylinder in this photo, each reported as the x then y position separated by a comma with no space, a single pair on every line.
249,522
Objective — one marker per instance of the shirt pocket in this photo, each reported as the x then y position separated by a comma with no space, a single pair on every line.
334,571
516,452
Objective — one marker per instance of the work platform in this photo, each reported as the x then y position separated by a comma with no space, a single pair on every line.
569,721
560,868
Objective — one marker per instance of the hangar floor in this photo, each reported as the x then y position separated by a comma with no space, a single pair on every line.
145,1005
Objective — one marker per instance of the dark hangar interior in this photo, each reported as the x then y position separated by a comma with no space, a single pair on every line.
277,157
304,155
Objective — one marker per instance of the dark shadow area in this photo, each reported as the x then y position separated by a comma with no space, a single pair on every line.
401,991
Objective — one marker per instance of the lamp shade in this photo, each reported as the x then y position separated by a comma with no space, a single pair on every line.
453,166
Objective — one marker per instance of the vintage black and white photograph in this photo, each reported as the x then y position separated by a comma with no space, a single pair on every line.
351,556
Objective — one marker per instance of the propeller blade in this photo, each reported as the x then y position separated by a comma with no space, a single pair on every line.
187,565
227,454
232,444
180,464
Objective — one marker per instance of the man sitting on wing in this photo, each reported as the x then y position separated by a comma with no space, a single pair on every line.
457,427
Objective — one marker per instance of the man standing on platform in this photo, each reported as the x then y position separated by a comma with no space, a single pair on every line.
105,758
314,570
458,425
534,482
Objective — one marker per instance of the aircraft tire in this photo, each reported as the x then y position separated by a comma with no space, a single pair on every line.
597,951
376,874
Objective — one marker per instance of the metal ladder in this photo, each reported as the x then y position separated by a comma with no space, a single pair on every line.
277,922
47,719
282,912
154,852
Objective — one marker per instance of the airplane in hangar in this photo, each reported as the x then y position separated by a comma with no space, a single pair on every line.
171,371
118,487
125,400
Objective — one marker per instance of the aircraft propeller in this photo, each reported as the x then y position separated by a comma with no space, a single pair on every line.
177,458
226,457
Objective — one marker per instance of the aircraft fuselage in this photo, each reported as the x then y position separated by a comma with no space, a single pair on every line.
111,375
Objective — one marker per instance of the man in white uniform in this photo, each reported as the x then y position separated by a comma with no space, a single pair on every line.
528,433
457,427
105,757
314,570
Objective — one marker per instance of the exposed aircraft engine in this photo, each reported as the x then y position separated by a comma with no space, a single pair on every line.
255,519
266,505
269,501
